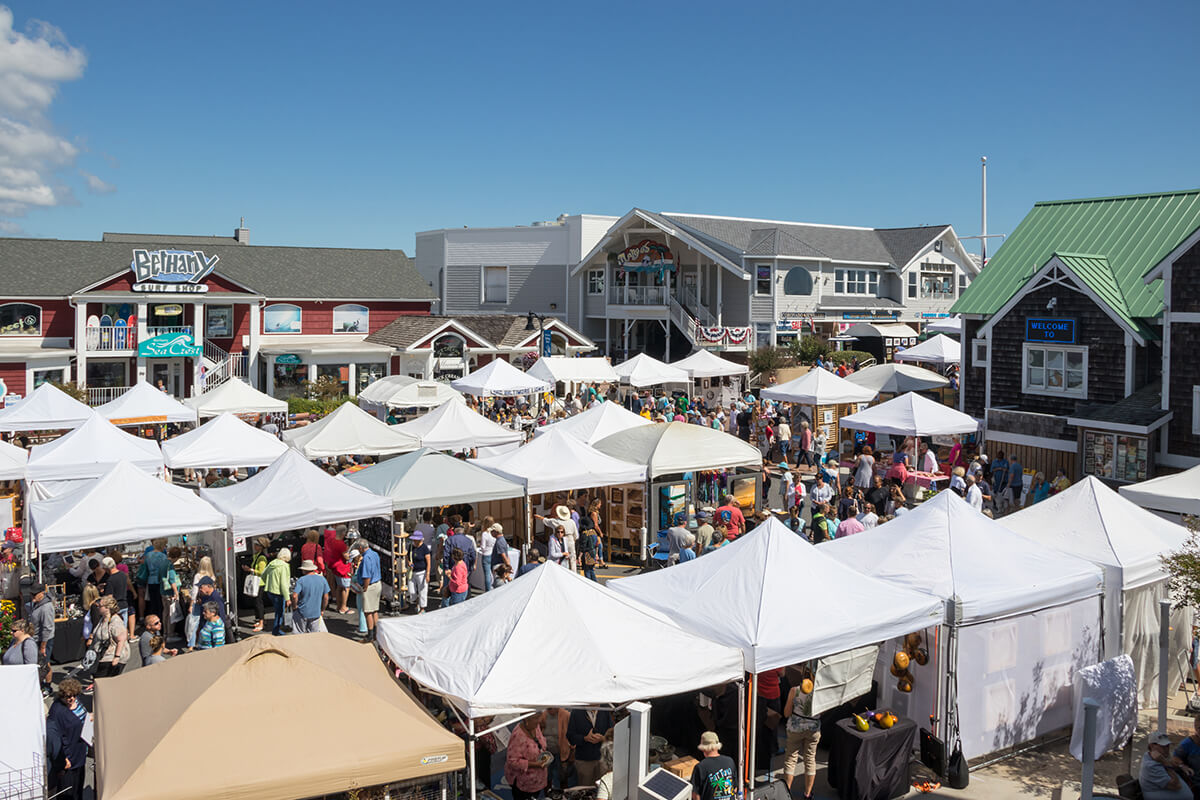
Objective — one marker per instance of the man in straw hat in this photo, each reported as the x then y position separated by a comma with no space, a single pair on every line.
565,527
713,778
309,597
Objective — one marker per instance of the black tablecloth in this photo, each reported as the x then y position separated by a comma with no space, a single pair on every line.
871,764
68,641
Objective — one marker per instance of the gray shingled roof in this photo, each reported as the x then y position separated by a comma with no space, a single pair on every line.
56,268
502,330
738,237
1143,407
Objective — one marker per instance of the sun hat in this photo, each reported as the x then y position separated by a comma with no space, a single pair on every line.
709,740
562,512
308,566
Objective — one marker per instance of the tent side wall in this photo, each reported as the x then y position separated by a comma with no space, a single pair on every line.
1140,637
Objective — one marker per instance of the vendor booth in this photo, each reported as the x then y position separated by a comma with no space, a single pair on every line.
716,380
643,370
603,419
572,373
23,764
910,414
938,349
90,451
454,427
402,393
896,379
13,460
1171,496
1091,521
235,396
47,408
498,378
1020,619
823,399
145,405
225,441
949,325
880,339
140,748
686,466
349,431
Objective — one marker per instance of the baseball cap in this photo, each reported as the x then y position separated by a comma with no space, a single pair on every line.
37,588
1159,738
417,536
108,563
206,581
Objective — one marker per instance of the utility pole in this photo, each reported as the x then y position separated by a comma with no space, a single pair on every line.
983,234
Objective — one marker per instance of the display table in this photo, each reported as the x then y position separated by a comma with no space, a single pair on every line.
927,479
68,641
871,764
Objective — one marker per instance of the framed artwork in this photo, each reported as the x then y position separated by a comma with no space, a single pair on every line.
218,322
351,318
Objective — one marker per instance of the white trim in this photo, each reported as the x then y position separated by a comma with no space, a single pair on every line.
483,301
770,292
428,337
1130,359
1120,427
587,280
563,328
1167,319
753,219
975,360
1033,283
1004,437
691,241
1165,459
1185,316
1157,270
924,249
332,322
987,373
1048,392
20,336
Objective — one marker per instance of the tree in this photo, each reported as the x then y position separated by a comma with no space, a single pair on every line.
766,360
807,349
71,389
1183,566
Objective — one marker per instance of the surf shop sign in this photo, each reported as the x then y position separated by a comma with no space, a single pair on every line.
181,271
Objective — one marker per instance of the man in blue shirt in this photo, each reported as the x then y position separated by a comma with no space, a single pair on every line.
369,576
156,566
309,597
1014,484
463,542
999,478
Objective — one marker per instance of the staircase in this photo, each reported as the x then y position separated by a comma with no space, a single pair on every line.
220,366
708,334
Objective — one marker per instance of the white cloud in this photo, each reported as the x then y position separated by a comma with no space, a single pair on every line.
33,156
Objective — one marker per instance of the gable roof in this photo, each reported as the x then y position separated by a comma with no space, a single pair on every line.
892,246
499,330
60,267
1131,233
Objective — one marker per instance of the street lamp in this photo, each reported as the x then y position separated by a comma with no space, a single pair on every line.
541,329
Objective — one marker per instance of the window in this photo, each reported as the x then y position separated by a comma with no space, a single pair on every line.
979,353
762,334
856,281
20,319
366,374
1113,456
798,281
40,376
351,318
1055,371
962,283
936,281
595,282
495,284
762,278
449,346
218,322
912,284
281,318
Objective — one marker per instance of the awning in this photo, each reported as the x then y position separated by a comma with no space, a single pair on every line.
322,345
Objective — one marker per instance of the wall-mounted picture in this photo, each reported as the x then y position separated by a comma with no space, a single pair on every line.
281,318
218,322
350,318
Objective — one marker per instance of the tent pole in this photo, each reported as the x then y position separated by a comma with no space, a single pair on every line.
752,735
742,735
471,753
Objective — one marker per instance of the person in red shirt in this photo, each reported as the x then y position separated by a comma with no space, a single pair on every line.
338,568
729,512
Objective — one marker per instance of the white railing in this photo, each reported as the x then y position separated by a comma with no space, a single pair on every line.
160,330
681,319
691,300
99,395
109,338
637,295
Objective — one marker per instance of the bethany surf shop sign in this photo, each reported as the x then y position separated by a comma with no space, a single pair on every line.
171,270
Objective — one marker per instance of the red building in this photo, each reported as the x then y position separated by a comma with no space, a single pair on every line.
193,311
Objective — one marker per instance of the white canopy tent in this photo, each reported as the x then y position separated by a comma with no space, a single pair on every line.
453,426
427,477
236,397
1175,494
1091,521
599,421
402,391
643,370
12,462
145,405
706,364
745,595
573,370
123,505
23,764
557,461
911,414
897,379
593,648
224,441
1021,617
498,378
349,430
91,450
819,387
293,493
666,448
934,350
47,408
950,325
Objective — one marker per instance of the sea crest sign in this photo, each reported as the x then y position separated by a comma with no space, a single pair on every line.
171,270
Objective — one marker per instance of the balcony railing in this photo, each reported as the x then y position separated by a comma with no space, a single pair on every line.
158,331
109,338
99,395
637,296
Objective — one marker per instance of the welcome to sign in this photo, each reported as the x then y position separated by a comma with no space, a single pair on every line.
171,270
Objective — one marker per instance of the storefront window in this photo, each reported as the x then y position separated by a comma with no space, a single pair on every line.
339,372
1113,456
366,374
102,374
288,379
1055,370
20,319
41,376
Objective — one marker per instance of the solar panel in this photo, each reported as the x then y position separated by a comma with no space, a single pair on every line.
665,785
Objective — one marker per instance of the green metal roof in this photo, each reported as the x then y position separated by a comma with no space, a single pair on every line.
1129,234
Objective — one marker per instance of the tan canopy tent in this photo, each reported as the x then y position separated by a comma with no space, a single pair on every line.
235,720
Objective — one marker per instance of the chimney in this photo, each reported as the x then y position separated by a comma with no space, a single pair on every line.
241,234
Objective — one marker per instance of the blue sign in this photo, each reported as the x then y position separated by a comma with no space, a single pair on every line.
169,345
1058,331
546,343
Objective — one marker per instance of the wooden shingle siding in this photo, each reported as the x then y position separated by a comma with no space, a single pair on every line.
1104,339
973,377
1185,353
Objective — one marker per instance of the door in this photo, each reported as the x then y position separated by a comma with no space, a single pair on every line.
167,373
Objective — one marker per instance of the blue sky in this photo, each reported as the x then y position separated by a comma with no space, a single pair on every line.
357,124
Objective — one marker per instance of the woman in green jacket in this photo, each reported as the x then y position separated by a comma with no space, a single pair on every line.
277,583
256,567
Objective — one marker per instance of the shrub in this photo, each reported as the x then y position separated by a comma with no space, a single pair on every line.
806,349
71,389
846,356
766,360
